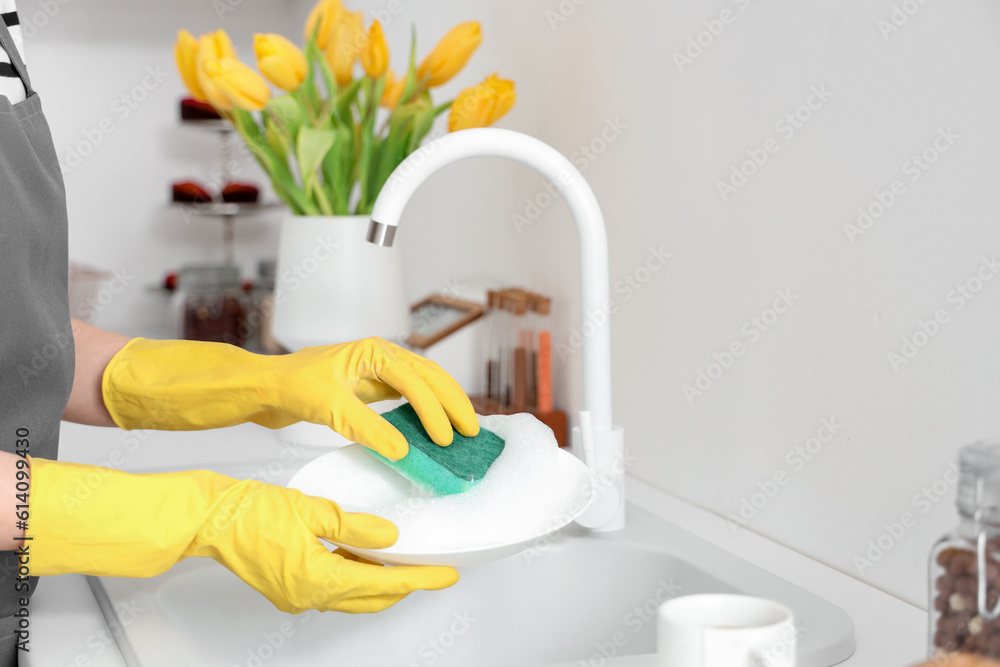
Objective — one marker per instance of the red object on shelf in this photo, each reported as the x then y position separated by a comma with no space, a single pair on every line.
240,193
170,281
190,192
192,109
554,419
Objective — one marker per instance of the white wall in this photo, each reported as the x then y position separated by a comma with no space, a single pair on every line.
679,133
826,357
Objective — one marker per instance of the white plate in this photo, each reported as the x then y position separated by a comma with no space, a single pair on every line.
532,490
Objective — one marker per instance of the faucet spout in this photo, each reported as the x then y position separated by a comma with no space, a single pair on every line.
381,234
594,274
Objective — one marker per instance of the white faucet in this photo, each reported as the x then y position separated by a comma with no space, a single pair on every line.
596,433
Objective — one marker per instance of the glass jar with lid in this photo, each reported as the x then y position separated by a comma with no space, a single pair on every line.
212,304
262,308
965,564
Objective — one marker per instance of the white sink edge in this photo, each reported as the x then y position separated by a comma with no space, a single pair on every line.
888,630
155,635
877,616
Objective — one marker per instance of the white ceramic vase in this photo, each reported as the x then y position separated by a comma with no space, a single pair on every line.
333,286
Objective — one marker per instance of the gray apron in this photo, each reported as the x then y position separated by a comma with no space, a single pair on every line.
36,342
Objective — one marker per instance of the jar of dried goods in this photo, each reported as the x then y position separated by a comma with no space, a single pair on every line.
212,304
965,564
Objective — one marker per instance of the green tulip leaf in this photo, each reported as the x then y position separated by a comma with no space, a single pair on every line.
312,146
337,170
276,138
421,126
288,111
344,100
411,71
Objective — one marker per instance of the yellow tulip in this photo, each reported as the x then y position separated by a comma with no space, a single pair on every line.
321,20
240,85
482,105
186,53
280,60
503,91
346,45
217,45
450,54
212,48
375,56
393,90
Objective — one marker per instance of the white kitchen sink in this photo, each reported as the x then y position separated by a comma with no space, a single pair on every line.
581,597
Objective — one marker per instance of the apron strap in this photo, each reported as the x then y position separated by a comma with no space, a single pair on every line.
7,44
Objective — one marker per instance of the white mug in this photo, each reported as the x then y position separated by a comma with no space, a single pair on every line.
725,631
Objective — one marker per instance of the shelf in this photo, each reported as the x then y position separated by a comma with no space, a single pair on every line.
160,290
209,125
218,209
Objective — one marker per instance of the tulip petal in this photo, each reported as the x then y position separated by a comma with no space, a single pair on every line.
481,105
279,73
375,56
220,45
206,56
321,20
503,91
345,47
393,89
451,54
243,87
281,61
186,54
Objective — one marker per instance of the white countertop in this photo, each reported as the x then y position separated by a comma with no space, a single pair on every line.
67,627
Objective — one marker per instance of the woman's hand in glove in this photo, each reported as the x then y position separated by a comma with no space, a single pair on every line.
125,525
188,385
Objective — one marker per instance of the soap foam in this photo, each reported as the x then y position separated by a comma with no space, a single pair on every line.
531,489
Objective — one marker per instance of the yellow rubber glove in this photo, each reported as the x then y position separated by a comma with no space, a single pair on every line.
104,522
178,385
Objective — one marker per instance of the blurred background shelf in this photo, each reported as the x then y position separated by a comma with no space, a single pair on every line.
220,126
227,209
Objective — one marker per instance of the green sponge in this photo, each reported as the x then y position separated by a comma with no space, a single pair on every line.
441,470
